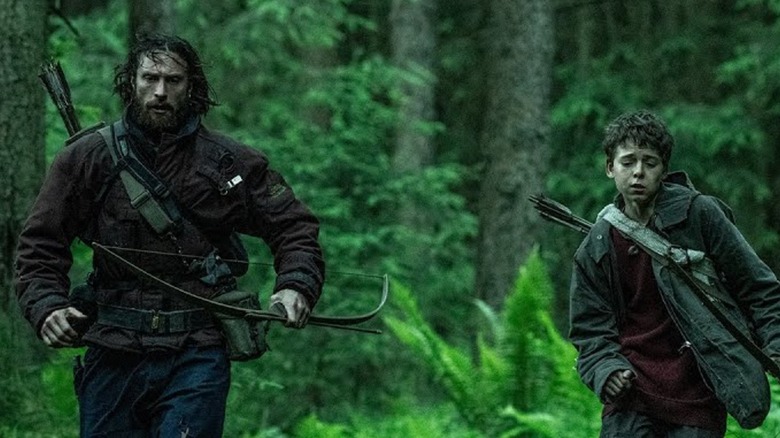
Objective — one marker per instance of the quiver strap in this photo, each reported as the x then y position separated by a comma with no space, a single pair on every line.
147,193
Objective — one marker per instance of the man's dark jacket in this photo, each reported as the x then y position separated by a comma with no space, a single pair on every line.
198,166
694,221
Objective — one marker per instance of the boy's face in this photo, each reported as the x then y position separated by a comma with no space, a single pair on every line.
637,172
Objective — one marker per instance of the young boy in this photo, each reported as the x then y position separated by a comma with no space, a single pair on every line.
648,347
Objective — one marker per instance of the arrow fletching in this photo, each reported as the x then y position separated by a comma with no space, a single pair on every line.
56,85
558,213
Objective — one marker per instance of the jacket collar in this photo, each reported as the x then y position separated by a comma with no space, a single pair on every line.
139,136
673,204
673,201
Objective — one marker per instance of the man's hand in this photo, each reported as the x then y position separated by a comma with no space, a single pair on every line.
295,306
57,330
618,384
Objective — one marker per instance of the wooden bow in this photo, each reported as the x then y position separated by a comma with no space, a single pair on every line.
339,322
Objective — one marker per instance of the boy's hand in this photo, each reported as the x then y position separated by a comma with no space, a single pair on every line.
618,384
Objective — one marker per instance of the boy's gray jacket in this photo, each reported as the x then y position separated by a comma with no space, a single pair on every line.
693,221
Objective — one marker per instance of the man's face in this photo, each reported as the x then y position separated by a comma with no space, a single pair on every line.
161,101
637,172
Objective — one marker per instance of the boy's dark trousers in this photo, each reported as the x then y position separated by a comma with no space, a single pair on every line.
631,424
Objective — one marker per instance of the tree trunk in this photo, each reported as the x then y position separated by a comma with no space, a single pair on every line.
642,25
413,42
516,129
585,31
151,16
22,157
413,45
318,61
22,51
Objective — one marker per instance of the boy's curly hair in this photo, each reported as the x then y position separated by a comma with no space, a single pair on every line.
642,128
153,45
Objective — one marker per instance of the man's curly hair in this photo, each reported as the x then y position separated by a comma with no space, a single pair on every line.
642,128
153,45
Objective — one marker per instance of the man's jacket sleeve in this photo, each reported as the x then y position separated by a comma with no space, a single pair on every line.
43,256
291,232
593,325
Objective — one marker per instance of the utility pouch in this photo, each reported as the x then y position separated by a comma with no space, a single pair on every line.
245,338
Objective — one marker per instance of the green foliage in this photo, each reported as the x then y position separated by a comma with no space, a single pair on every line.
408,420
37,399
524,381
57,381
449,365
543,377
310,427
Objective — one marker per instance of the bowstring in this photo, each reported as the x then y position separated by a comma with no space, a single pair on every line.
238,261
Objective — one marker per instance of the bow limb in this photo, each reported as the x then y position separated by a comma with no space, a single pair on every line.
239,312
190,297
352,320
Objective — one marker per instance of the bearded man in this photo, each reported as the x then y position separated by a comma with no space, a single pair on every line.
156,365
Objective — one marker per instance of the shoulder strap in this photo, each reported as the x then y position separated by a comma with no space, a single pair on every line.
147,193
659,248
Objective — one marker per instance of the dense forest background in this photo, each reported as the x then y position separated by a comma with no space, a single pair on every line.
416,130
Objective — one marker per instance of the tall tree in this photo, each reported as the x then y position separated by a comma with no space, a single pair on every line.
22,157
151,16
22,51
413,44
317,61
518,49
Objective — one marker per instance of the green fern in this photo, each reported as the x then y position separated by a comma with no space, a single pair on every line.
312,427
450,366
525,309
525,382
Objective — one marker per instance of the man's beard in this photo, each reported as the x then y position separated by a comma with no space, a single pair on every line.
169,122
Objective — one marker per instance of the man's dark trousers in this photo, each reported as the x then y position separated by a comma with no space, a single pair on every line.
178,394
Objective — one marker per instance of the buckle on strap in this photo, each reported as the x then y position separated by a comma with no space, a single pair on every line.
154,321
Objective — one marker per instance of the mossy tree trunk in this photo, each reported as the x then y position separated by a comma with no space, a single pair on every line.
413,45
151,16
518,56
22,140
